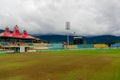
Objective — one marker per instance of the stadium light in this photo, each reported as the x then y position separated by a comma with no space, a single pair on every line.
67,28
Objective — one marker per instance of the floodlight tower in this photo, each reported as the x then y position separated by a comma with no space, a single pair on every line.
67,28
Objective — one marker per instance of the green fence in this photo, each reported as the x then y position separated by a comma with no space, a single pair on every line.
86,46
56,46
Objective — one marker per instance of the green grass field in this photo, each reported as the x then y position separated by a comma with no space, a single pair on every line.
101,64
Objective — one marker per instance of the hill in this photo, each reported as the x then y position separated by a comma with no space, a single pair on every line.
1,30
86,39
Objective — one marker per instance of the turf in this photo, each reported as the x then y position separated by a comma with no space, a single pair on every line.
100,64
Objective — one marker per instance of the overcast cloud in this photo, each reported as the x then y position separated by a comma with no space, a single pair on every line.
87,17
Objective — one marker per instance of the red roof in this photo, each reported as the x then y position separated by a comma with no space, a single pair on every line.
30,37
16,34
25,34
37,39
7,32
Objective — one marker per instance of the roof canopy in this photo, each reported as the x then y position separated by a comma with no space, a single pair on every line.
16,33
7,32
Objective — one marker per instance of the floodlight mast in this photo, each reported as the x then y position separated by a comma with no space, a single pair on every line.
67,28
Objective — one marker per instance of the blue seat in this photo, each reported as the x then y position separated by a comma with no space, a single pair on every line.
4,44
115,45
30,44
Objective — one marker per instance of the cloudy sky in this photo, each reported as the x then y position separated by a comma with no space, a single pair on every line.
87,17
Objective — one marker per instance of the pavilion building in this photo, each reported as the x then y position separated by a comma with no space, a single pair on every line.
16,41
